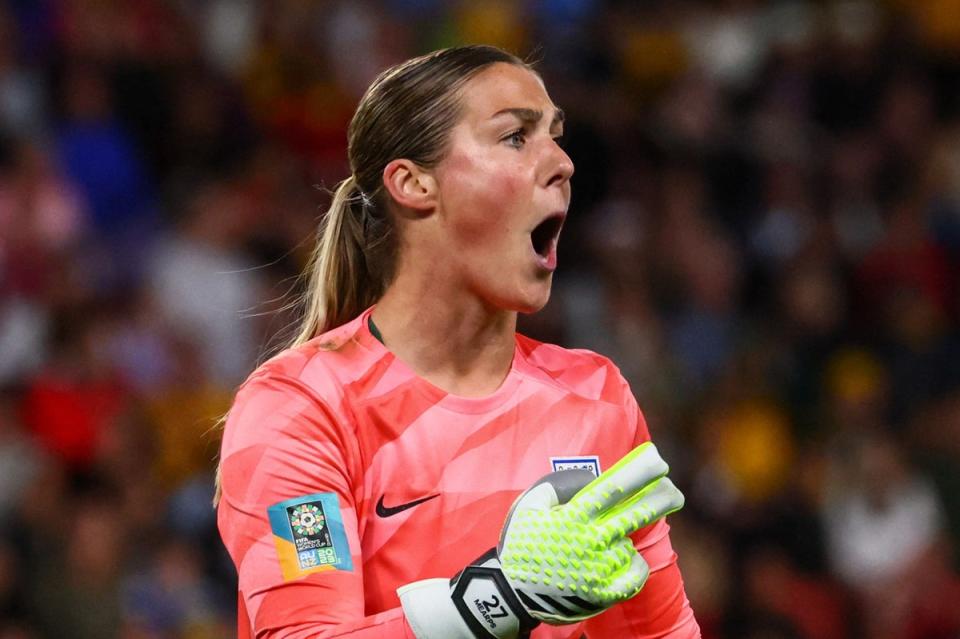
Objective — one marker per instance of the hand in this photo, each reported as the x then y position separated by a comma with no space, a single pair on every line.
564,554
570,558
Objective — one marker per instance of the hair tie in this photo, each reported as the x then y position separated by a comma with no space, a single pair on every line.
365,199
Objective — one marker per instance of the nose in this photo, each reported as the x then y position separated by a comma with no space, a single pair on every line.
561,166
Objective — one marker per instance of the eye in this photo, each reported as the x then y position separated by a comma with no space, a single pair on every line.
516,139
559,140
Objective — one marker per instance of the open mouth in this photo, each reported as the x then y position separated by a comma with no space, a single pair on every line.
544,236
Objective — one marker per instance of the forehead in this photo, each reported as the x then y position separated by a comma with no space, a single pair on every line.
503,86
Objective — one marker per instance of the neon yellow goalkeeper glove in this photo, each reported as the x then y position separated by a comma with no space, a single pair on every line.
564,555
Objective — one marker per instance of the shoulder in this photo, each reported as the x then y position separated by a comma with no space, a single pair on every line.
323,370
302,400
576,370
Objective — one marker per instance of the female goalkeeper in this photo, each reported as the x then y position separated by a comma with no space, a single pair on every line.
370,473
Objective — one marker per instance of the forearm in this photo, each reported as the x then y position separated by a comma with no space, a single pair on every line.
391,624
275,624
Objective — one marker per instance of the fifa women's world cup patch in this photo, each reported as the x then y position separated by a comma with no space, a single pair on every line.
588,462
308,532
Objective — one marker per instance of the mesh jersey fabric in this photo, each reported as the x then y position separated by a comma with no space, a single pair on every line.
342,415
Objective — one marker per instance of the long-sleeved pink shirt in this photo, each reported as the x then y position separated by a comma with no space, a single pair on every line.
345,476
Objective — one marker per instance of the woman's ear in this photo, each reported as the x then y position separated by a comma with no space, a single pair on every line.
410,185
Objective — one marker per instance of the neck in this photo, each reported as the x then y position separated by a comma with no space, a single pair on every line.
455,342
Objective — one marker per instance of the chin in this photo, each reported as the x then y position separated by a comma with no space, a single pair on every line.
533,301
525,297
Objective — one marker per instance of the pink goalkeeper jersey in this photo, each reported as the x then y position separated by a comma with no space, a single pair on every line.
345,476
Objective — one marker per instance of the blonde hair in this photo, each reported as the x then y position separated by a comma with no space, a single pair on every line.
347,272
407,112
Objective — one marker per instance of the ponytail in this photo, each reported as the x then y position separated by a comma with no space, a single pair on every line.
350,265
347,272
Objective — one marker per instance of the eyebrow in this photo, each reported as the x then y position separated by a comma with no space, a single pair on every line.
531,116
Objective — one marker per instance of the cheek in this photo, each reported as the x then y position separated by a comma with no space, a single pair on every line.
486,198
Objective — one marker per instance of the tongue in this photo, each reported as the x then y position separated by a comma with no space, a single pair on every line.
548,259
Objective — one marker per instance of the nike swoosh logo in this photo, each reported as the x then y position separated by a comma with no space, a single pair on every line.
390,511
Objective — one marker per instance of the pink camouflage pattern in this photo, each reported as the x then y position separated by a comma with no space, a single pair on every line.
342,416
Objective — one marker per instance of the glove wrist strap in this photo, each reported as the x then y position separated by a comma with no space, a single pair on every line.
487,602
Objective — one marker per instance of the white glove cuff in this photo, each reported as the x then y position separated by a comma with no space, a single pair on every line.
430,610
476,604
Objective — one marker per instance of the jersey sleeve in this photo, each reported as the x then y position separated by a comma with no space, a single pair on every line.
290,477
661,609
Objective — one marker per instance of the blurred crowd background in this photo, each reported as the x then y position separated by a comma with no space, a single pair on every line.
765,236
